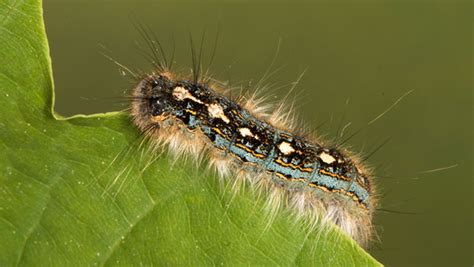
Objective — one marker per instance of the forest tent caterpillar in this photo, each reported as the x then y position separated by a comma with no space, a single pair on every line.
319,182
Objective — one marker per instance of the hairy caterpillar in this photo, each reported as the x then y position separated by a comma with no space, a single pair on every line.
194,117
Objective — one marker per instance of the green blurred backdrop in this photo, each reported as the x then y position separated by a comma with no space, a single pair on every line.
366,54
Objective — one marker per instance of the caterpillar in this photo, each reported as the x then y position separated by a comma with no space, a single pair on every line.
196,118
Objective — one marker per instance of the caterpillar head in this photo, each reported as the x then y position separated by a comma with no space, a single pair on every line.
152,101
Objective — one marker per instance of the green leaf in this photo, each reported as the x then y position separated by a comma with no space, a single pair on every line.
80,191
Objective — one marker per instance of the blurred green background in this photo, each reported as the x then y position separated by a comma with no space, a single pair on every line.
360,58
